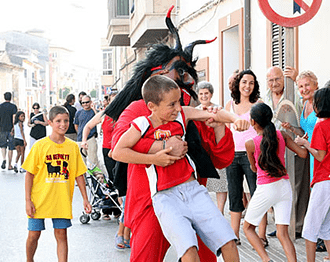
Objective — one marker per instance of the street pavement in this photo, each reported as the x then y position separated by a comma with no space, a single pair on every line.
92,242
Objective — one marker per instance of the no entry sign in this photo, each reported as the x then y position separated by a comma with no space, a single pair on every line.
309,12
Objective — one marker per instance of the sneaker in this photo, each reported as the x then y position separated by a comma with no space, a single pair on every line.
21,170
15,169
3,166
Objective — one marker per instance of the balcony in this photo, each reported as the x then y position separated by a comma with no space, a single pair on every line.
147,22
118,25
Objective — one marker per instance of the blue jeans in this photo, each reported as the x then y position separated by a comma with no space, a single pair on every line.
235,173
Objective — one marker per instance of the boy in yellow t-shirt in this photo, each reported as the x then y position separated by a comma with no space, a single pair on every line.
53,165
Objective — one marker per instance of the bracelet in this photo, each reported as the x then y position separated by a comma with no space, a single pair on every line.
164,144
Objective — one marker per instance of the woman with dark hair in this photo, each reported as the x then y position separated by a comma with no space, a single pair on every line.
70,100
245,94
266,156
38,122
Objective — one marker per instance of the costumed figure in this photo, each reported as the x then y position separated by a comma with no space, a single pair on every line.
204,146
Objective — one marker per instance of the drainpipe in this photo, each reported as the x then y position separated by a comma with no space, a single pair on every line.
247,34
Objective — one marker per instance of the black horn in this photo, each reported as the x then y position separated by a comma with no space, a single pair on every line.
173,29
189,48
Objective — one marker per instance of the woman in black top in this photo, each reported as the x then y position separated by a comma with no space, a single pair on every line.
38,122
70,100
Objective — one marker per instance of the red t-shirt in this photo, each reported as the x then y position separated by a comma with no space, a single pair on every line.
321,141
108,126
161,178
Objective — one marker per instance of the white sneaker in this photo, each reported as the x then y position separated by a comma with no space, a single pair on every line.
21,170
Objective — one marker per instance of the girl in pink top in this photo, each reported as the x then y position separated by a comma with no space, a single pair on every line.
266,156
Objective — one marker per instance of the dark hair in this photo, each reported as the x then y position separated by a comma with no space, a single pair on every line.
17,116
7,96
236,94
56,110
106,97
321,102
154,88
36,104
83,93
268,159
69,98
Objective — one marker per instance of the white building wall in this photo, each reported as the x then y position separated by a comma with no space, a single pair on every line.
314,39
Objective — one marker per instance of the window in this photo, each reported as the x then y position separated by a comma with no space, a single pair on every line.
122,7
107,62
278,46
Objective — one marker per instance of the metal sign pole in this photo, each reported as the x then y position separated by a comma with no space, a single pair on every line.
289,94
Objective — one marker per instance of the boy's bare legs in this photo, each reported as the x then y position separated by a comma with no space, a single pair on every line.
229,252
283,235
62,244
255,241
221,200
31,244
191,255
310,250
10,157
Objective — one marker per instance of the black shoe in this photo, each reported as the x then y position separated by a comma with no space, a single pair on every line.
3,166
320,247
15,169
272,234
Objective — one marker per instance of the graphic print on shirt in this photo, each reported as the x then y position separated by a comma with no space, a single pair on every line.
162,134
57,168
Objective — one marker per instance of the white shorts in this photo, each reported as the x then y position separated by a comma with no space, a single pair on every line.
277,195
317,219
187,209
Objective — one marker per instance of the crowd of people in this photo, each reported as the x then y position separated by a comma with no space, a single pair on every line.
149,135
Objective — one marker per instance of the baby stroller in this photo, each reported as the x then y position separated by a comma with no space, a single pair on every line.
102,194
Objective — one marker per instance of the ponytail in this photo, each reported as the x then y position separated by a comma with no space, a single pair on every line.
268,159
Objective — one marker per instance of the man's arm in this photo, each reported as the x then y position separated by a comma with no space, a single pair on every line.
97,119
123,151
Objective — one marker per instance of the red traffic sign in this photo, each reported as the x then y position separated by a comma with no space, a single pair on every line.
309,13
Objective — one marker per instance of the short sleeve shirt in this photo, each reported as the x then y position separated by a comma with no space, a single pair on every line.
7,110
321,141
81,119
55,168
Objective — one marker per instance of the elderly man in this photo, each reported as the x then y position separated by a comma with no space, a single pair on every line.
274,95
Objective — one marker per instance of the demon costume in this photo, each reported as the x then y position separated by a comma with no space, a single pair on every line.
148,242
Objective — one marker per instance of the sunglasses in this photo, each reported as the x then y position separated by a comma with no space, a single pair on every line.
35,107
87,102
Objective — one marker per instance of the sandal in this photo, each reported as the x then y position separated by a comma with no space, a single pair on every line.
238,242
127,243
264,242
119,242
106,217
320,247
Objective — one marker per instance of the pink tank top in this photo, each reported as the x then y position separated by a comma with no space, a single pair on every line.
262,176
241,137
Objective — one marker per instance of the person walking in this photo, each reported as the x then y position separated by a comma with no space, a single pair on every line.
19,139
53,166
7,113
38,122
82,117
71,133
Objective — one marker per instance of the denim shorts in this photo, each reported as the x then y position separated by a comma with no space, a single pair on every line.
235,174
38,224
7,140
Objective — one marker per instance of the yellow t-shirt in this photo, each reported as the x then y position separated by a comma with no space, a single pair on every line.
55,168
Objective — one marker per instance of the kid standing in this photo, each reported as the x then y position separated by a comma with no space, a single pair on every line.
182,206
266,155
53,165
317,219
19,139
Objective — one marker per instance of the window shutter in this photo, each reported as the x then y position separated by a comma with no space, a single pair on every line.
278,46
